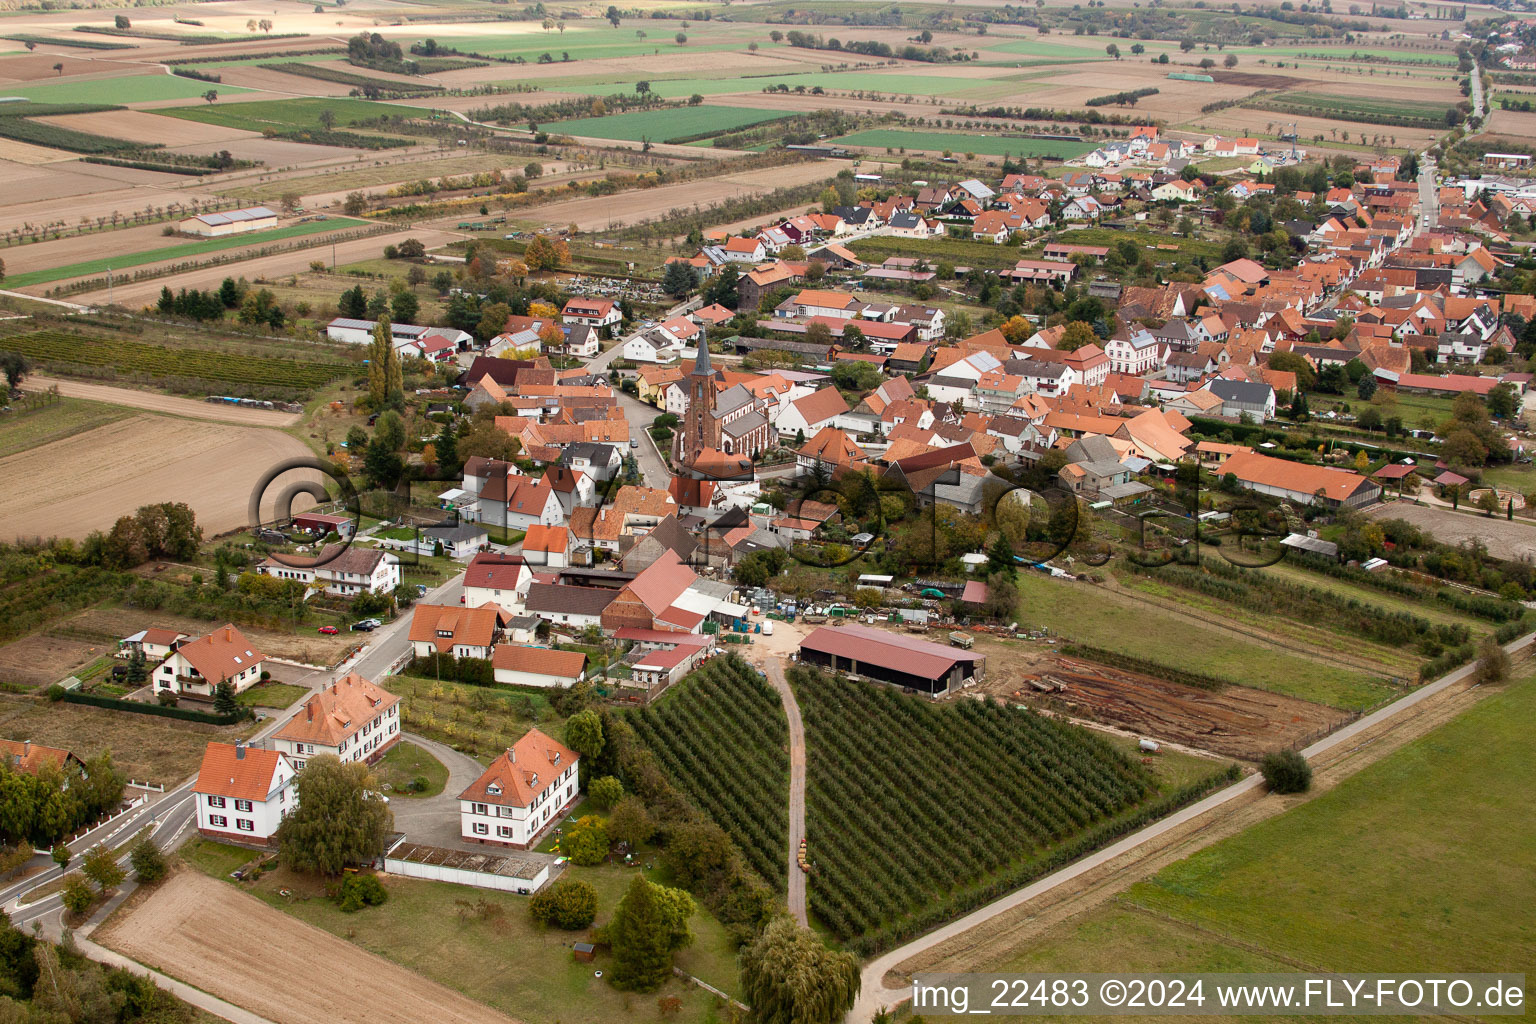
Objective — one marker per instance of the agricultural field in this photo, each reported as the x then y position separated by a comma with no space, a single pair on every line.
369,177
1443,58
588,42
127,89
722,738
475,720
674,124
1404,866
904,803
133,359
1356,108
283,115
894,83
45,423
957,142
97,267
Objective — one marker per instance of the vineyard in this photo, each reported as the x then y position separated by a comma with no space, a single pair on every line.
61,352
916,811
721,736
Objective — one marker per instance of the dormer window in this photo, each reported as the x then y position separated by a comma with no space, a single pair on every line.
494,789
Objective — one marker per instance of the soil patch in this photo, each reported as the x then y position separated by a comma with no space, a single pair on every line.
43,658
138,126
153,402
1253,81
107,625
278,967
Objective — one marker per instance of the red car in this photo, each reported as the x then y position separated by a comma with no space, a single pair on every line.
329,630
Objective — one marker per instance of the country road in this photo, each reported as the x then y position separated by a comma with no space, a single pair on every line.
775,670
168,404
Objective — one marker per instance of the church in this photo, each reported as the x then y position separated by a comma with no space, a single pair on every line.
722,428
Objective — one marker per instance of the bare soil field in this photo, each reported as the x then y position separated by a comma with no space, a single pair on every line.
12,152
97,199
598,213
47,184
138,126
278,967
1240,120
1236,722
1517,124
110,624
42,659
32,67
61,252
277,265
150,401
160,750
277,152
250,76
210,466
1504,539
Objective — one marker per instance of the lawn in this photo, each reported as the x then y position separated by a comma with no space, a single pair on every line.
480,721
128,89
404,763
22,431
1409,865
271,695
986,145
259,115
219,860
1078,612
1189,246
500,957
173,252
670,125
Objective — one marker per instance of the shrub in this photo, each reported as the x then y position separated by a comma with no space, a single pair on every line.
586,842
359,891
569,904
1286,771
101,867
1492,663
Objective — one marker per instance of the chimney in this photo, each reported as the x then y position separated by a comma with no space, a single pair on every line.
310,707
26,748
229,634
240,750
512,755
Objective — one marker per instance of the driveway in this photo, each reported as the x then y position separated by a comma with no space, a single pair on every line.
434,820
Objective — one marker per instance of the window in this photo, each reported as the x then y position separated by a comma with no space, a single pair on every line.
243,805
504,831
298,765
480,809
245,825
481,828
218,820
215,801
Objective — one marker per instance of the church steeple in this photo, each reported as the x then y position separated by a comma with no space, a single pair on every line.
701,367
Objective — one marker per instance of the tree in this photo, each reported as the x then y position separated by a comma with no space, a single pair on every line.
60,855
78,895
339,820
1286,771
59,68
355,205
855,375
211,95
584,733
853,338
681,38
818,333
147,860
404,306
791,977
101,866
121,21
605,792
1113,51
586,842
224,699
1493,662
15,367
1077,334
649,925
1231,60
1296,363
484,439
679,280
569,904
630,823
1366,387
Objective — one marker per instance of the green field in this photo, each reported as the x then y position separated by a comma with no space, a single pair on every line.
1409,865
1090,616
128,89
1346,53
1033,48
172,252
21,431
850,81
259,115
593,43
673,123
987,145
1364,109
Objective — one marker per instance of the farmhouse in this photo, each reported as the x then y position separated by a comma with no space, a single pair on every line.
1300,483
525,665
195,667
243,793
521,793
891,658
353,719
339,570
230,222
324,524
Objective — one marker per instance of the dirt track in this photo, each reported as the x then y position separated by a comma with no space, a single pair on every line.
83,483
152,402
274,965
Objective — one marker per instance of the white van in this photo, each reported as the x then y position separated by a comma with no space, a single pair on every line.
767,627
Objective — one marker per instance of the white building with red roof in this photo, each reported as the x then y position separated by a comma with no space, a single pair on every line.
521,794
353,719
527,665
243,793
195,667
594,313
502,580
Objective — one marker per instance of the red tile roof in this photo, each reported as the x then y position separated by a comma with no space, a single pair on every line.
517,777
223,653
228,774
474,627
887,650
539,660
338,711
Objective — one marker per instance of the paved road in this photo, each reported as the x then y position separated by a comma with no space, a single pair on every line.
775,670
873,994
1477,92
1429,194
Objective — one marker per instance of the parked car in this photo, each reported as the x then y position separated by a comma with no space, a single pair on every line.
634,443
362,627
329,630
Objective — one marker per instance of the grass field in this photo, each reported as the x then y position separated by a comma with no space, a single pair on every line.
65,418
1406,866
1189,246
173,252
592,43
1362,109
421,928
128,89
1079,613
406,762
259,115
987,145
850,81
1346,53
673,123
1034,48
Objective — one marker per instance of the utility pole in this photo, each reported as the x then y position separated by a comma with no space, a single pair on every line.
109,286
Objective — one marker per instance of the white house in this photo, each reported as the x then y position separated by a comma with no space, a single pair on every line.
155,642
656,345
548,546
230,222
594,313
353,719
339,570
500,580
1133,352
526,665
809,414
463,632
360,332
744,250
243,793
521,794
195,667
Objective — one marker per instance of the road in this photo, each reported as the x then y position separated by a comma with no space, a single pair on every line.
1429,194
873,993
775,670
168,404
1476,77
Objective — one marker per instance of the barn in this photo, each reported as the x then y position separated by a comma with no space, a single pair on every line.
230,222
891,658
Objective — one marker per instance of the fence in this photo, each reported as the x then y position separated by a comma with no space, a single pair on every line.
132,805
148,786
